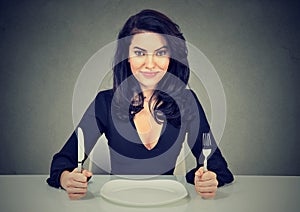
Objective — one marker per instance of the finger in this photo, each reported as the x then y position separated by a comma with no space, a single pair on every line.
199,172
76,184
207,195
208,176
75,170
74,196
78,177
87,173
198,175
76,190
209,189
208,192
208,183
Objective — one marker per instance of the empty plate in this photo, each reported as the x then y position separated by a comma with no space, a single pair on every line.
143,192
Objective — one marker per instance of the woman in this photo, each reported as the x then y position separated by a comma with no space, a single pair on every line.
147,113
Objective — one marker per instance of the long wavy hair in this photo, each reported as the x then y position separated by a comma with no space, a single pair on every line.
168,94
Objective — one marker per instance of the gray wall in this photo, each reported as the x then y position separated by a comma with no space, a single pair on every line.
253,45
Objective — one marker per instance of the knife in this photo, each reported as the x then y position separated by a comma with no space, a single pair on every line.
80,149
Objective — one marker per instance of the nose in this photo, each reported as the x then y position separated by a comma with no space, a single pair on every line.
150,63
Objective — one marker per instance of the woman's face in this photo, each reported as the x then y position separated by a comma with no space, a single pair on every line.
149,58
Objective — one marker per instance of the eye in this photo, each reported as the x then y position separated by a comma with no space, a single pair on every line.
139,53
162,53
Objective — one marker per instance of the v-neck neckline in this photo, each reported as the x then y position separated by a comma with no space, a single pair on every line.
162,132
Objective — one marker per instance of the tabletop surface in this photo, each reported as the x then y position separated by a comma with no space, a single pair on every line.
247,193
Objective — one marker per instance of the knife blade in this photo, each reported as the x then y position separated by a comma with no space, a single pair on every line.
80,148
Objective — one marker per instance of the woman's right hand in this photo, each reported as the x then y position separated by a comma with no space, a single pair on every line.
75,183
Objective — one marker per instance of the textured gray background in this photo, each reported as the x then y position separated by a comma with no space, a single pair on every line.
254,46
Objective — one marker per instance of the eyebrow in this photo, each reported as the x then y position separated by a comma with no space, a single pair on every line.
139,48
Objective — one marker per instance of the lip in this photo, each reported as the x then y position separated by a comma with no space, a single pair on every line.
148,74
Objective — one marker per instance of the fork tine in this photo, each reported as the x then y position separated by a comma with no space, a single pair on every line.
206,139
206,148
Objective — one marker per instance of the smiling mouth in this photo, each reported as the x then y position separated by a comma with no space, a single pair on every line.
149,74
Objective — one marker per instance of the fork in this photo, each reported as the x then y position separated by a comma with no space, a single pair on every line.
206,149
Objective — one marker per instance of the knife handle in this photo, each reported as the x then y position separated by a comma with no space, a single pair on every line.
79,167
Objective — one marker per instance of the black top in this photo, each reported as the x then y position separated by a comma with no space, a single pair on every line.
128,155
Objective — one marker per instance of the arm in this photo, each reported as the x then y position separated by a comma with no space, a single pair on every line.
92,126
216,162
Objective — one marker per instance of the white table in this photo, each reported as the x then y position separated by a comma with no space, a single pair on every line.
22,193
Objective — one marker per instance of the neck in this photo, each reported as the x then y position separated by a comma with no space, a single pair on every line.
147,94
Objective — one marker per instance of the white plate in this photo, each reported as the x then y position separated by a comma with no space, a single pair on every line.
143,192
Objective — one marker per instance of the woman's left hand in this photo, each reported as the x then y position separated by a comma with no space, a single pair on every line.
206,183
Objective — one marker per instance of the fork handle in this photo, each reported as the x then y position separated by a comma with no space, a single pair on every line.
205,165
